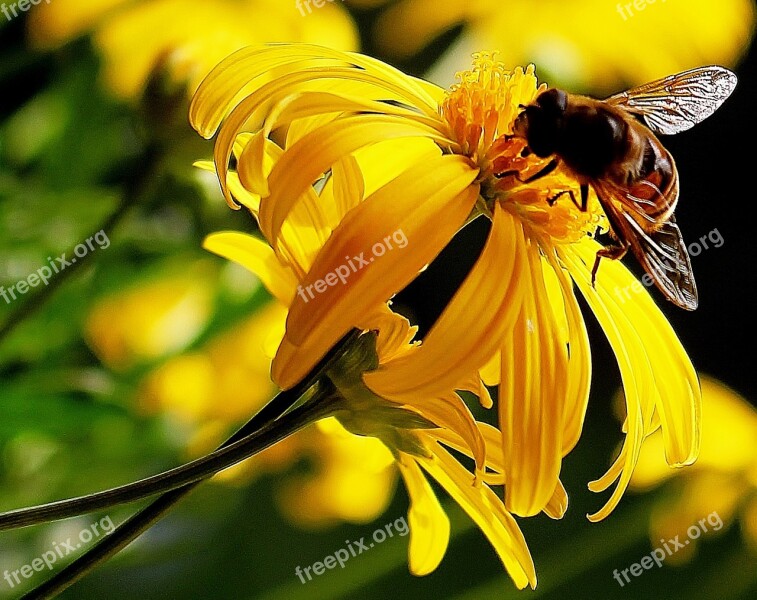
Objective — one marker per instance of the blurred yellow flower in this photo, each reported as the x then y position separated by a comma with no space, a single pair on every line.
207,384
723,480
188,38
392,154
591,43
352,479
152,319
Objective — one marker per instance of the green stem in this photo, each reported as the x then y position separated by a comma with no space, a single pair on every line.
237,448
321,404
123,535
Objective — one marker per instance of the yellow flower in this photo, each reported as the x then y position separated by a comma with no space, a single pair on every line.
389,153
414,428
353,477
204,386
186,37
421,449
722,483
594,43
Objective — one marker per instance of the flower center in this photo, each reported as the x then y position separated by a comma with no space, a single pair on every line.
480,111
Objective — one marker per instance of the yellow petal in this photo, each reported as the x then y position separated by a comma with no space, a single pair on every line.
532,396
490,372
495,461
348,188
565,307
558,503
406,210
305,105
429,524
481,311
656,372
492,440
473,383
678,400
382,162
257,256
395,334
316,153
312,219
245,71
452,414
483,506
240,194
251,111
729,437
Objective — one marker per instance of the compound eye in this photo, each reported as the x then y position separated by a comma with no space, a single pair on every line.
553,101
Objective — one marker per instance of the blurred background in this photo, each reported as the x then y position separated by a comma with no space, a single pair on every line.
147,351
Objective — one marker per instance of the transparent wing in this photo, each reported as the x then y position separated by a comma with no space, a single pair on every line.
678,102
661,252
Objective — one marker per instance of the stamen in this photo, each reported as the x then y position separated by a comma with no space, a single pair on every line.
480,111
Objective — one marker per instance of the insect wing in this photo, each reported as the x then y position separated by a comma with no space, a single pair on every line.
662,252
678,102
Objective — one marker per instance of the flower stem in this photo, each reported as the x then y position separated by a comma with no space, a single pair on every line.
271,425
243,444
125,533
235,451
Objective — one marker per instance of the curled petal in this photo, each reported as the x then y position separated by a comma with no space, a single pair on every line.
532,396
487,510
481,311
657,373
256,256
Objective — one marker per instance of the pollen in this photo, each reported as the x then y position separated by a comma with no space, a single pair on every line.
480,111
482,107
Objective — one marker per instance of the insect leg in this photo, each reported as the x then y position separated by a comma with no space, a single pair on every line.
611,252
584,197
551,201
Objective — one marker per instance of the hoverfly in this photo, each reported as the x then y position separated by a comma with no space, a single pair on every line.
605,147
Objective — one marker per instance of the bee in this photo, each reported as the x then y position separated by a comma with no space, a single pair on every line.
604,145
